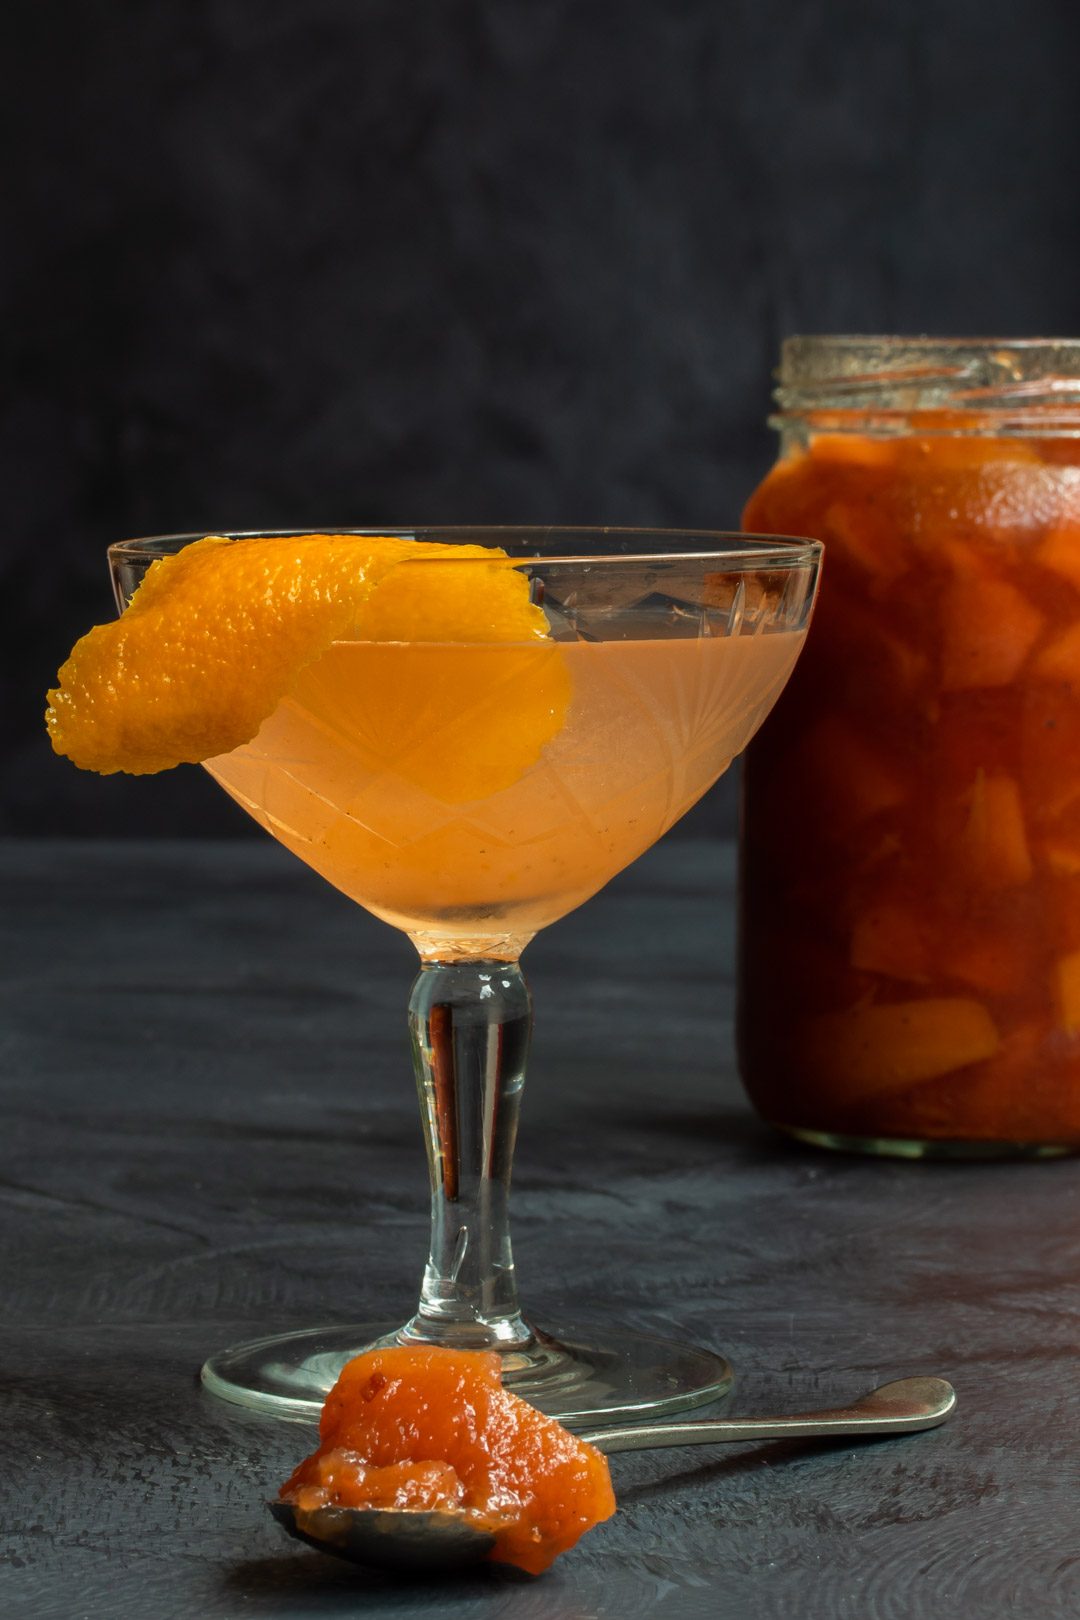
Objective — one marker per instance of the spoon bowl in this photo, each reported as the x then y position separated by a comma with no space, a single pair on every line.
434,1543
383,1538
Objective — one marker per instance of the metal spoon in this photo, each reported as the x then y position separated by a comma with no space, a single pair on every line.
429,1542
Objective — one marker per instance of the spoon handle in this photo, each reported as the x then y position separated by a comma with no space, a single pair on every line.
899,1408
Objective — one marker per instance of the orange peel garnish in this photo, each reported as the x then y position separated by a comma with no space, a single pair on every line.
216,634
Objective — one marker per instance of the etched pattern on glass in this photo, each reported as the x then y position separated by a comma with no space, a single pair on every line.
356,771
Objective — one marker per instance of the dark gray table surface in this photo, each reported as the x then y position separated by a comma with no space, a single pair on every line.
208,1131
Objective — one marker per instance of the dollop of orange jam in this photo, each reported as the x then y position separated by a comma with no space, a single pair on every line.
433,1430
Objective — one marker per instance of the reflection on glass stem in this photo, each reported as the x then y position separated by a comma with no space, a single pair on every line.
470,1023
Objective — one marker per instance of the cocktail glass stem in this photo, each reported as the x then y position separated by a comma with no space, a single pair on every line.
470,1023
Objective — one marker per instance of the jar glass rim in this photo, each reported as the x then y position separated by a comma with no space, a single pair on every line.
896,374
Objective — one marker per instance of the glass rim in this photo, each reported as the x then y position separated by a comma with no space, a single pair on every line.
747,550
928,340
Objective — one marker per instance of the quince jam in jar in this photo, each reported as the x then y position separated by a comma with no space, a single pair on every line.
910,930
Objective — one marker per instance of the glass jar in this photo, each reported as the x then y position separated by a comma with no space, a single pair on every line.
910,920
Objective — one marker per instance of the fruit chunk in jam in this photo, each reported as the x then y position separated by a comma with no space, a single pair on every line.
432,1430
911,927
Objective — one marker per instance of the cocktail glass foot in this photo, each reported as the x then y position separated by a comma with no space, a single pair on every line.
576,1377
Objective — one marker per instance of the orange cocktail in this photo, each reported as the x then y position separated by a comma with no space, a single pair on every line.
386,769
469,733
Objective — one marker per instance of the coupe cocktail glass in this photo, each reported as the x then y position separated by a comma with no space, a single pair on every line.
403,771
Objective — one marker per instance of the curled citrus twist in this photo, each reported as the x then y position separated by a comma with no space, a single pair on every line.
216,634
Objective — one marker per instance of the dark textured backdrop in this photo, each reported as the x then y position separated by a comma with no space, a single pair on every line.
352,261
